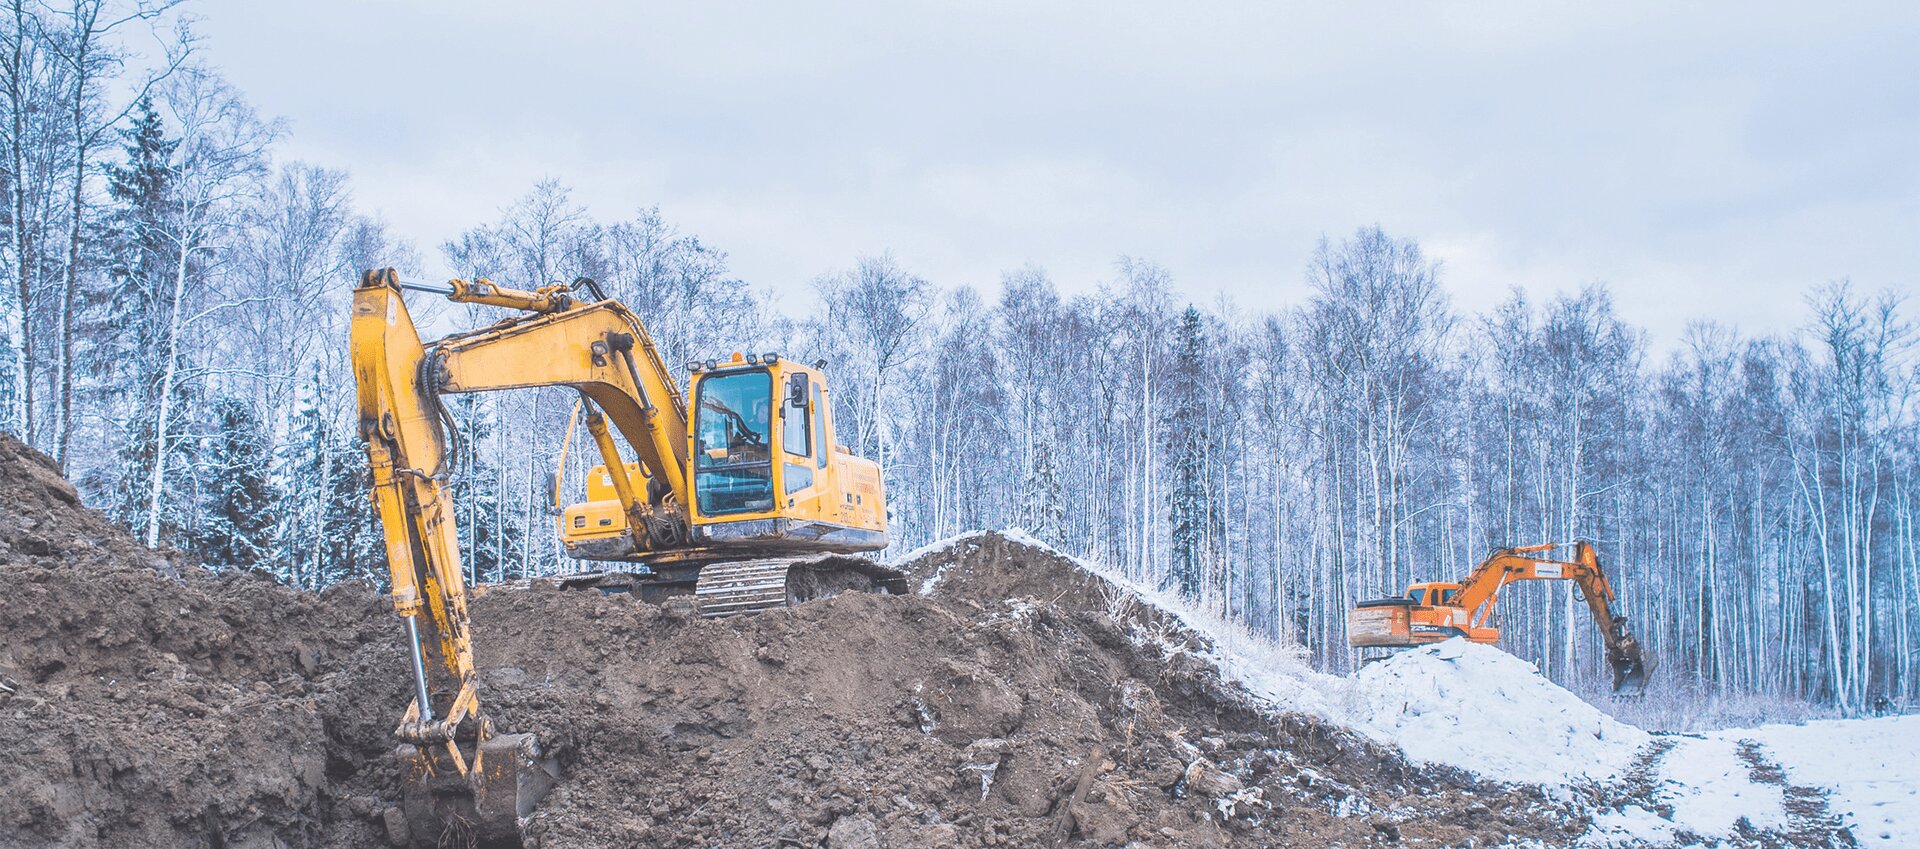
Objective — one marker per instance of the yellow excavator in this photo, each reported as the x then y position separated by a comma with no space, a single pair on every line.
1433,611
746,504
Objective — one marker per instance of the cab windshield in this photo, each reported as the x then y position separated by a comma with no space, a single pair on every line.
732,461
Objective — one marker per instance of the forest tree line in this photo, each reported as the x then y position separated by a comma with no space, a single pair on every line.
173,323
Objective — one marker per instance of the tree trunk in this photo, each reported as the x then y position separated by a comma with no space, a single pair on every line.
170,371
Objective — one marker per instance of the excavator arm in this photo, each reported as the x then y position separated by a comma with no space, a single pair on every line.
1481,590
601,350
1436,611
1624,655
407,454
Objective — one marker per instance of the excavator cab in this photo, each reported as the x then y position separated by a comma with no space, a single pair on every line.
767,476
1433,594
767,470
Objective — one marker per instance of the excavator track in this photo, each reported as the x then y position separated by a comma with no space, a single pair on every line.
753,586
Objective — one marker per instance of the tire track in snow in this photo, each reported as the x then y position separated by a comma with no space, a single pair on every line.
1814,824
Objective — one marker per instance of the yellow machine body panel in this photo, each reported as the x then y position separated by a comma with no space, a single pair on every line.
766,473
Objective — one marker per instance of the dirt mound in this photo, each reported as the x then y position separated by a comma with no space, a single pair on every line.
146,704
928,723
1021,702
41,517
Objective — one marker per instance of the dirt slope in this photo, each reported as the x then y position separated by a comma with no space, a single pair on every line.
1014,705
146,704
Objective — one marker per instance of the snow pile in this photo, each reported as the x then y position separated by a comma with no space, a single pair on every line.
1483,710
1871,767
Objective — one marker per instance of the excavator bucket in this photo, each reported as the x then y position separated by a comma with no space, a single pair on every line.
1629,665
484,807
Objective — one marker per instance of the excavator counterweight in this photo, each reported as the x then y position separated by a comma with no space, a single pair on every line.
1441,610
742,498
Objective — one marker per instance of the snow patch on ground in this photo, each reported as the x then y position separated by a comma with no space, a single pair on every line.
1485,711
1708,788
1631,826
1870,767
1711,788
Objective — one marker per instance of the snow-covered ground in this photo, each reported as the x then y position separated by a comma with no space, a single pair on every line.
1871,768
1705,787
1485,711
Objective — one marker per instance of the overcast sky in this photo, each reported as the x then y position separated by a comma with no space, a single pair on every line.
1704,160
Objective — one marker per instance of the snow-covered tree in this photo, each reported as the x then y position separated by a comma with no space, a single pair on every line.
237,511
1045,501
1189,506
127,315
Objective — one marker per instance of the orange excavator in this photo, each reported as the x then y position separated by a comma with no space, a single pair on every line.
1433,611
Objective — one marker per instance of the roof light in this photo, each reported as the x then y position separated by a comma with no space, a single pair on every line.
693,366
711,365
770,358
753,359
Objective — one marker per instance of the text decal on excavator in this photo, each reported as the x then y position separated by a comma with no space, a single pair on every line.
1547,570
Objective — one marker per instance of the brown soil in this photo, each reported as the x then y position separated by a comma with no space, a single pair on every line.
148,703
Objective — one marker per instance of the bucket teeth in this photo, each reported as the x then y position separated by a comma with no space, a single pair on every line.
443,805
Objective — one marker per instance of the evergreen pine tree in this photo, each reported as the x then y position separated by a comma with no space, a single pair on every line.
1186,430
1045,509
328,531
237,517
353,546
122,320
299,467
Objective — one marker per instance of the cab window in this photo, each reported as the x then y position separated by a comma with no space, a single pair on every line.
819,428
794,435
733,460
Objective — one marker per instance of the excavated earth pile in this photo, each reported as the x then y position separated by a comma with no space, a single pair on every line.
146,702
1021,701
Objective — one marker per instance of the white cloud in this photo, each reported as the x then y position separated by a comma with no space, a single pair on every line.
1705,160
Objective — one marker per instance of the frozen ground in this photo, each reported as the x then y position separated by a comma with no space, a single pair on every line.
1485,711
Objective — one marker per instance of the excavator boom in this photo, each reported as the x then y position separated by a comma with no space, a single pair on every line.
1431,612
